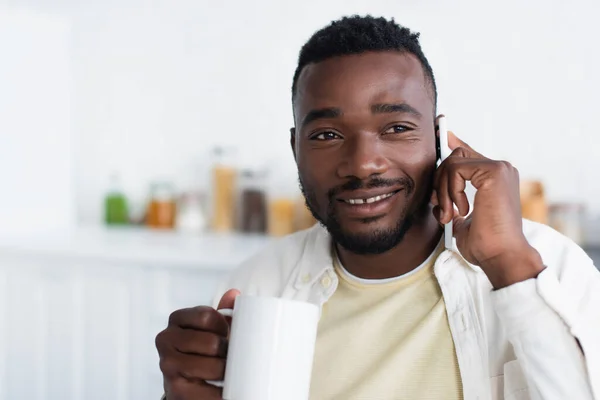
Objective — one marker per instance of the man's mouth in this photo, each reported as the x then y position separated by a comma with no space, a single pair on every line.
370,200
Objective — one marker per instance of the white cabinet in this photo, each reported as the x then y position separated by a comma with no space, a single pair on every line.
79,312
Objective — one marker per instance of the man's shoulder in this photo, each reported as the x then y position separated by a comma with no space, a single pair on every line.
272,268
557,250
285,252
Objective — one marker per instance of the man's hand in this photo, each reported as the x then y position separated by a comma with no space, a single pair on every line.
192,349
492,235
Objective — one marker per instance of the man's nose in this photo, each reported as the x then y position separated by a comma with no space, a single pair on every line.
362,159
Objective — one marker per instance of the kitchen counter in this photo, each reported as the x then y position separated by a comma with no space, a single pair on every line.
140,246
153,247
80,309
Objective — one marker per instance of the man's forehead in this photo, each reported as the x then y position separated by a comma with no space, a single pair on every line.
362,79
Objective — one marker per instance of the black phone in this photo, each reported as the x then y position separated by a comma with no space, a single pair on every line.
438,150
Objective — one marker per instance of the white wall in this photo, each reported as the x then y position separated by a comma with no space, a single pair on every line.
36,169
157,83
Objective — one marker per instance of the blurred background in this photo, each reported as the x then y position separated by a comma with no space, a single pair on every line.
144,153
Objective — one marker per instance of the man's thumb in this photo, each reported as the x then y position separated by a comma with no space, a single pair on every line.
228,299
460,225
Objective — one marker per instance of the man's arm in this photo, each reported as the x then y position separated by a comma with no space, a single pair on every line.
553,323
547,300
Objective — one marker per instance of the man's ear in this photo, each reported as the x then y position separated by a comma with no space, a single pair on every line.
293,141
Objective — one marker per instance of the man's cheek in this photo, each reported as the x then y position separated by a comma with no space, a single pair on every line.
321,200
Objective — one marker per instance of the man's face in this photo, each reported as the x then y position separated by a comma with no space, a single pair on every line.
365,146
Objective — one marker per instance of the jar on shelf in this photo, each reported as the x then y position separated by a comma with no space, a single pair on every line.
224,175
162,206
303,218
191,217
252,201
282,203
533,201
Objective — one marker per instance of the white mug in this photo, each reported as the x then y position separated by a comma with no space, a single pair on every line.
271,349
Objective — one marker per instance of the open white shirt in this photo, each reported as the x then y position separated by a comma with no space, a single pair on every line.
520,342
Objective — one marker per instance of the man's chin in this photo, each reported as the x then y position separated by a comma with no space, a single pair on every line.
365,227
368,237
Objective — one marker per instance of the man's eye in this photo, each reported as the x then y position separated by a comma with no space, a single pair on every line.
396,129
326,136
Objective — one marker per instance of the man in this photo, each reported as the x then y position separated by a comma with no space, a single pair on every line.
513,313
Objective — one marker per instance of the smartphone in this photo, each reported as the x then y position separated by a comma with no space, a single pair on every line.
443,151
444,148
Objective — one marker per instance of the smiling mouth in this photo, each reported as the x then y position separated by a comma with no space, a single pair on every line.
370,200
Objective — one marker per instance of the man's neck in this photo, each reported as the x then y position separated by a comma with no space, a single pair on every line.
418,244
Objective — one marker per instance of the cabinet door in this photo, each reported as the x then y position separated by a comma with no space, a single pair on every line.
106,336
84,330
39,316
160,292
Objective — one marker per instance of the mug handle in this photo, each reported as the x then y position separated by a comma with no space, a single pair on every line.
226,312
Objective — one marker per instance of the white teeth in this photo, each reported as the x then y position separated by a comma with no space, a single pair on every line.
370,199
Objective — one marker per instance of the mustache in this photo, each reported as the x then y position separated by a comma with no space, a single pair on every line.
356,184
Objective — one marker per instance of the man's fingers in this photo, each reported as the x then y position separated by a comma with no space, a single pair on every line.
455,143
434,198
228,299
190,341
450,183
180,388
460,226
201,318
443,195
456,189
192,367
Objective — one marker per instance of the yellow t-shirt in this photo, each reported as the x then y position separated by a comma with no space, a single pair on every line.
386,339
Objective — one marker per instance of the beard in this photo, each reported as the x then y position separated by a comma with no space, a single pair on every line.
377,241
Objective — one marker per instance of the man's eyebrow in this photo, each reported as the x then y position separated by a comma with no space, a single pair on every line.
386,108
321,113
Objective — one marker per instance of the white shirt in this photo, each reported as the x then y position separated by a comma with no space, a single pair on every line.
515,343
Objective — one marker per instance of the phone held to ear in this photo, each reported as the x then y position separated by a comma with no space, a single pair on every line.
444,152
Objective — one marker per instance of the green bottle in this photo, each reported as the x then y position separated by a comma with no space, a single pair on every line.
115,204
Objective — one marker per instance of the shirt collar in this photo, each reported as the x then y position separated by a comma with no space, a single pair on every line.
316,258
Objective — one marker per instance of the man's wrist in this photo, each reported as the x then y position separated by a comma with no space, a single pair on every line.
513,266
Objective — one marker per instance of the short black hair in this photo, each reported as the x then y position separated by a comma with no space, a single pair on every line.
356,35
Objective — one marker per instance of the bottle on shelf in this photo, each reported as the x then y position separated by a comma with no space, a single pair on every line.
115,203
224,176
191,218
162,206
252,201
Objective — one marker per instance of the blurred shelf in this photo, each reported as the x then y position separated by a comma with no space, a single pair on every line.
594,253
140,246
152,247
